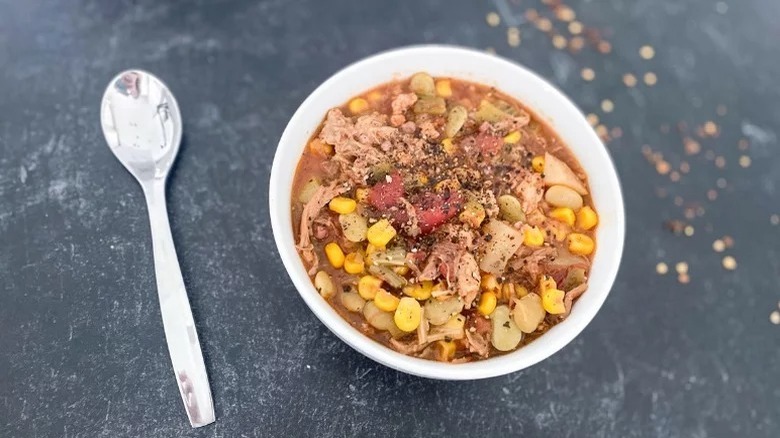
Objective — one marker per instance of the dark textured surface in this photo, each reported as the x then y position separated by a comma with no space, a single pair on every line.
81,347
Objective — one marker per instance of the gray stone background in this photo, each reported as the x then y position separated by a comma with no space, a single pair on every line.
82,352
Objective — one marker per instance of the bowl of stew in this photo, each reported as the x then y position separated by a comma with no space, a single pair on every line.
446,212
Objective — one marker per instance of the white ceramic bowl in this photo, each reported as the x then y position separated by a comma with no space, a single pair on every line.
548,103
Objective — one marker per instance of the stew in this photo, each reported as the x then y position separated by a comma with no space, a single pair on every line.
442,219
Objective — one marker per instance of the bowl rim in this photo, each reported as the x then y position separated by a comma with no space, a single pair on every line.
376,351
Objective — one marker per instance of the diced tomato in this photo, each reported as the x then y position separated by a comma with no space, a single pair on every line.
386,194
489,144
434,209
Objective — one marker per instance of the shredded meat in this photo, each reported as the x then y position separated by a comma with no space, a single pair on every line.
311,210
503,127
477,344
330,168
410,347
337,129
422,329
411,225
322,228
530,262
428,129
373,130
478,335
408,127
403,102
352,142
442,332
428,353
530,190
572,295
353,149
535,217
409,150
467,278
441,262
563,261
463,237
411,262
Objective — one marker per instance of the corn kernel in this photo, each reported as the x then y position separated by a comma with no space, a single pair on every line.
408,314
370,250
507,291
580,244
318,147
489,283
353,263
422,178
375,96
358,105
444,88
487,303
552,301
447,146
587,218
538,164
380,233
419,291
342,205
457,322
564,214
335,255
368,286
401,270
446,350
386,301
361,195
473,214
521,290
533,236
546,282
513,137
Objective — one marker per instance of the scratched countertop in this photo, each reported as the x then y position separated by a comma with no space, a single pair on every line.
82,353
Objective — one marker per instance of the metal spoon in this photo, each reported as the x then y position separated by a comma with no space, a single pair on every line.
142,125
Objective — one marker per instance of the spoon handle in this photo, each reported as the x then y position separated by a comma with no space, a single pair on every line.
178,323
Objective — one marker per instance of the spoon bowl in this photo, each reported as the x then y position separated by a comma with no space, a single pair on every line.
142,124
